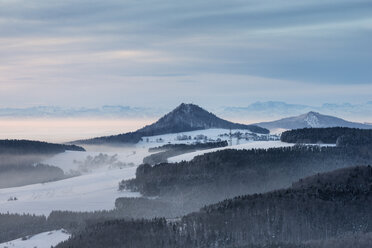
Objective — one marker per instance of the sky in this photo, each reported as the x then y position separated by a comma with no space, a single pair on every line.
160,53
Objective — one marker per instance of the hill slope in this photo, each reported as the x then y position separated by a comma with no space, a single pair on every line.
186,117
311,119
320,207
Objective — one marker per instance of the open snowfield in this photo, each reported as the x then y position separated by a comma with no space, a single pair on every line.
96,188
41,240
96,191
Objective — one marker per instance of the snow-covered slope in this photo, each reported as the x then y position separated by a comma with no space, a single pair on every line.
101,168
41,240
250,145
96,191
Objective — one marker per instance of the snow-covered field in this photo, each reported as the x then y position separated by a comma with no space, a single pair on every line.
249,145
101,168
174,138
95,191
41,240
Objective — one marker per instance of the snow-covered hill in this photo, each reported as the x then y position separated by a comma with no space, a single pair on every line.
311,119
41,240
184,118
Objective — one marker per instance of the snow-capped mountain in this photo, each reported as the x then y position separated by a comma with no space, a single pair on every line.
184,118
311,119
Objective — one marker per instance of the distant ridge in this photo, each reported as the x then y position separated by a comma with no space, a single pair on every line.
23,147
184,118
311,119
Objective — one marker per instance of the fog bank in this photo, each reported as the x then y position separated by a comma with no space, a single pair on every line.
66,129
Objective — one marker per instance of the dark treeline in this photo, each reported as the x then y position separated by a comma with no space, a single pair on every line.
14,226
197,146
129,138
22,147
224,174
328,208
342,136
171,150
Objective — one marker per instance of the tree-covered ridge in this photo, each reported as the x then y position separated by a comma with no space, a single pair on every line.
342,136
22,147
170,150
244,171
316,208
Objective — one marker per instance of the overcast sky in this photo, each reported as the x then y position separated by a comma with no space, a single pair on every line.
160,53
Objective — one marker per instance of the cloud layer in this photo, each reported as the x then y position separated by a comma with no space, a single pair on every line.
91,53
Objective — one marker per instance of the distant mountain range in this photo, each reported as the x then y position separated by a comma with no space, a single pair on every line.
257,111
104,111
275,110
311,119
184,118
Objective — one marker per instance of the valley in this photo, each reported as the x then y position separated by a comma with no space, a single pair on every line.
109,180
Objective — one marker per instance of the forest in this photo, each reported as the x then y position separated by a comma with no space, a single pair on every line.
326,206
227,173
342,136
22,147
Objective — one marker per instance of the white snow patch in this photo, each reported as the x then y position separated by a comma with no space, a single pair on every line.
312,120
212,135
278,131
41,240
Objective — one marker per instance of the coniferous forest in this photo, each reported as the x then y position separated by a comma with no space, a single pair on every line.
320,207
342,136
